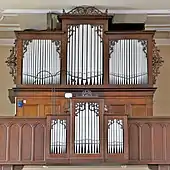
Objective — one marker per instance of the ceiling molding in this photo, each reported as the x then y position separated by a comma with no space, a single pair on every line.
158,15
10,27
44,11
157,25
162,42
158,29
7,42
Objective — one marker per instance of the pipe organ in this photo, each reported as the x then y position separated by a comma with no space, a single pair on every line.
111,75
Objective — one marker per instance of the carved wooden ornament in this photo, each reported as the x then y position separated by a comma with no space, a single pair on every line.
157,61
12,62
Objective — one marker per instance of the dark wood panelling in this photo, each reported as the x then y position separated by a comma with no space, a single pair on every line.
22,141
149,140
3,142
138,110
163,167
6,167
11,167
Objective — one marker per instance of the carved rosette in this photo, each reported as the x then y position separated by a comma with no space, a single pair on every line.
12,61
157,61
85,10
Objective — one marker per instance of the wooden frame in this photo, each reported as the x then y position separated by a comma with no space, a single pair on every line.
87,157
24,141
142,35
27,35
62,36
58,158
119,157
87,15
103,156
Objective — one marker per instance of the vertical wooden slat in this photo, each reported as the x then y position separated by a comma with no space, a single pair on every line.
20,143
7,144
152,143
106,59
165,142
32,142
140,143
64,55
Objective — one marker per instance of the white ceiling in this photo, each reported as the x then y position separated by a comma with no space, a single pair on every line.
24,14
111,4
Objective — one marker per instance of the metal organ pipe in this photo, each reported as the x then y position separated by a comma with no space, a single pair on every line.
87,140
115,136
128,62
41,62
58,138
85,55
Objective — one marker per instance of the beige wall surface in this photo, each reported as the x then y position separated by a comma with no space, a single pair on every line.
161,99
6,108
162,94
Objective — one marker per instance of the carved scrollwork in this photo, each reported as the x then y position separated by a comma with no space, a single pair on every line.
25,45
145,45
85,10
58,46
157,61
87,93
112,44
12,61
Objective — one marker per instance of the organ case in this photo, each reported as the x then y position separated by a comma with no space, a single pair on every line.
119,67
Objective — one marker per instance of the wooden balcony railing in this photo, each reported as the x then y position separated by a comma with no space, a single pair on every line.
22,140
27,141
149,140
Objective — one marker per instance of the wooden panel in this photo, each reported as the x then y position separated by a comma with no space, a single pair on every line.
133,144
37,106
7,167
163,167
133,106
145,142
3,142
117,108
149,140
26,142
39,143
138,110
14,135
48,108
167,141
30,110
22,140
159,141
